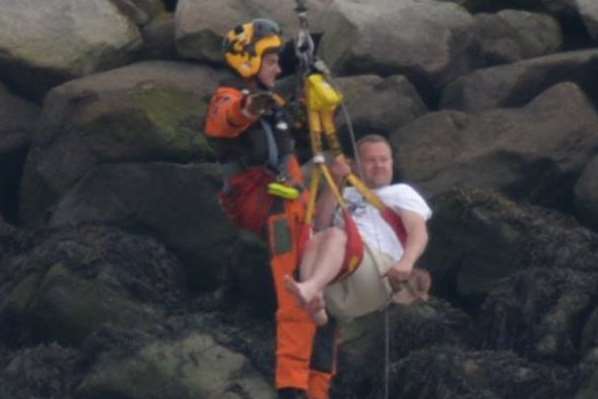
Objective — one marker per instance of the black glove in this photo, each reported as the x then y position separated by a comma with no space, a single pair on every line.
260,103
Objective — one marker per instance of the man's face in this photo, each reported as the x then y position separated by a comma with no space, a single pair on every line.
269,70
376,161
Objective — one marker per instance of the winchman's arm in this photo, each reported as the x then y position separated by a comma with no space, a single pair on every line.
226,116
417,239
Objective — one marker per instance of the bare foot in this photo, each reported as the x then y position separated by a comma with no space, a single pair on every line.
298,289
317,310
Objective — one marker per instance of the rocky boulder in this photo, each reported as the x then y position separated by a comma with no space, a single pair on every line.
427,41
250,280
45,370
514,85
534,152
71,282
538,313
445,372
378,105
588,10
179,205
189,367
513,35
150,111
409,329
45,44
201,27
478,238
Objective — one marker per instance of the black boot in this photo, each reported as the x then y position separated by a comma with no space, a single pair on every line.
291,393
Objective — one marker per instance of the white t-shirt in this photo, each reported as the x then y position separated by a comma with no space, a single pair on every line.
373,228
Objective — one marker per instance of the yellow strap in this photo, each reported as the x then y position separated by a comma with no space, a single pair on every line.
341,201
368,194
322,100
313,193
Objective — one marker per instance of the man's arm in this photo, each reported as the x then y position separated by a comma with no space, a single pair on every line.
326,206
417,239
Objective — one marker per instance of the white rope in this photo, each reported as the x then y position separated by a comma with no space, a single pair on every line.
386,352
349,123
353,141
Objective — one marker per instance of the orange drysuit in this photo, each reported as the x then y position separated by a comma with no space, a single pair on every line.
305,354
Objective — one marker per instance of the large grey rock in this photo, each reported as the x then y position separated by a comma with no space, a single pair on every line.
251,276
200,27
586,194
177,203
69,283
478,238
588,10
378,105
44,44
516,84
539,312
194,366
46,370
426,40
513,35
446,372
410,328
533,152
148,111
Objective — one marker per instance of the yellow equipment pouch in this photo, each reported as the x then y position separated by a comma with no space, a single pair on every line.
321,94
283,191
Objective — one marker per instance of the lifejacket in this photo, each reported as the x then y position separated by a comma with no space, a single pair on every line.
252,153
239,139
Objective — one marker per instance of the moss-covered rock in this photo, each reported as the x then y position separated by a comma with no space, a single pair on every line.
71,282
150,111
191,367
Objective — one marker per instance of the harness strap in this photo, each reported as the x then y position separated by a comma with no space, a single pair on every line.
354,249
273,156
396,223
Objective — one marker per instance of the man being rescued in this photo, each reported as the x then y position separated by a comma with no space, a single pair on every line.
247,128
387,263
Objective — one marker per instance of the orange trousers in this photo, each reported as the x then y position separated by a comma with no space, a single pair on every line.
304,354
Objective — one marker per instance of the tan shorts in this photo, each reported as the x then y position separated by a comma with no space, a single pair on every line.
364,291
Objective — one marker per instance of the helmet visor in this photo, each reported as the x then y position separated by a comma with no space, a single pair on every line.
264,28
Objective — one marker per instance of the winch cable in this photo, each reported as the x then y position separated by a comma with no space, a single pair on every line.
304,51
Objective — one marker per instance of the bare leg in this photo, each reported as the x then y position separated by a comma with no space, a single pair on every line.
317,310
310,256
321,266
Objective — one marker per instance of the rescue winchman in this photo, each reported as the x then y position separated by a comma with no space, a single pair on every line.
248,128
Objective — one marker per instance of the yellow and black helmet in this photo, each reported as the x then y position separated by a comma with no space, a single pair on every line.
245,45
